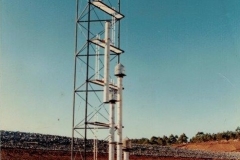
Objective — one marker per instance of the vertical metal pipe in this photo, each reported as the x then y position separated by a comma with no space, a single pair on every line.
73,116
119,119
106,63
74,87
119,98
125,155
95,148
111,130
87,76
119,10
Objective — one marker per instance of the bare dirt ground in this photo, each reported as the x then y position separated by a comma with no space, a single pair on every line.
222,146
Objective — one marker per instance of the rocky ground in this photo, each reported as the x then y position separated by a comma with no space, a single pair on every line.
177,152
30,154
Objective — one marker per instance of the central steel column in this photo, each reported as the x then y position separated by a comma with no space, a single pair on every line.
111,130
119,119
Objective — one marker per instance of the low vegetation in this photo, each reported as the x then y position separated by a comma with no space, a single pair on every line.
199,137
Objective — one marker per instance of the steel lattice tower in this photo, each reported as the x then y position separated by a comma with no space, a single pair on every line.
90,110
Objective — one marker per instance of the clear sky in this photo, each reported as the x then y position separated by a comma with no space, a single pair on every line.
182,61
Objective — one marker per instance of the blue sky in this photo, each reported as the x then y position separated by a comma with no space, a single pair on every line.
181,58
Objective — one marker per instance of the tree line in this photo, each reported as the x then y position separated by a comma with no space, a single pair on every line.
199,137
205,137
163,141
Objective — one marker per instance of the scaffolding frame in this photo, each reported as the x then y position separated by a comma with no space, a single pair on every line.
88,14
